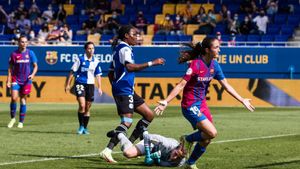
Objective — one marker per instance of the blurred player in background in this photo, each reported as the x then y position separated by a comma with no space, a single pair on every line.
202,69
20,78
121,76
157,149
85,69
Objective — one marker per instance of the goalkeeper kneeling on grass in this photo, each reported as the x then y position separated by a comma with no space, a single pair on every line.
157,149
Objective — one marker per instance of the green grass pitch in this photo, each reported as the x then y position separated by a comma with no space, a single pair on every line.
266,138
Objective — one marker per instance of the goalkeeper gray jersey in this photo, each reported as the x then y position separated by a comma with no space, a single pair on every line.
165,145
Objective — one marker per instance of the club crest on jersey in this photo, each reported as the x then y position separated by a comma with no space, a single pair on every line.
51,57
26,56
212,71
189,71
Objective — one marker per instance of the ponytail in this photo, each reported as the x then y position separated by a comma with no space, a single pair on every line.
196,51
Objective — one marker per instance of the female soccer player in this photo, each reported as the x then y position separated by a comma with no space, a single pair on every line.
20,78
202,69
121,76
85,69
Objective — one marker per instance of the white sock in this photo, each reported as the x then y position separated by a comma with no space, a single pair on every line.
124,141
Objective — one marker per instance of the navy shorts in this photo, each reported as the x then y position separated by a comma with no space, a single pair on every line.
128,103
85,90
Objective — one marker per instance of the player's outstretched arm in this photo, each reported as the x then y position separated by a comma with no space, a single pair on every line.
232,92
162,105
137,67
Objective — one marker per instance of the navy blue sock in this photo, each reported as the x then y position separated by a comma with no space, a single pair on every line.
194,137
196,154
23,110
13,109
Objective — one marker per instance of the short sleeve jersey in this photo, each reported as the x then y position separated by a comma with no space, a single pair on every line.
85,70
198,77
21,62
165,145
123,83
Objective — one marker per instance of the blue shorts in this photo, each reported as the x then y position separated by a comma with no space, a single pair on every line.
24,89
193,115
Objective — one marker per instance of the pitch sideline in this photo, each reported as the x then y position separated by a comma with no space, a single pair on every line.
95,154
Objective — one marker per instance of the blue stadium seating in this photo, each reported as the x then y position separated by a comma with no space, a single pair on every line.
253,38
266,39
280,19
80,37
287,30
185,38
273,29
105,38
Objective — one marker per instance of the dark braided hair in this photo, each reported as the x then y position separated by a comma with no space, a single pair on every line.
121,34
198,49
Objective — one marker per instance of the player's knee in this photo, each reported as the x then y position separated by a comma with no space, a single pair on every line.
128,154
205,143
14,99
212,134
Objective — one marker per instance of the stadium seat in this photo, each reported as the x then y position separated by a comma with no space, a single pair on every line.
143,8
280,19
81,38
158,39
149,18
240,38
105,39
191,28
155,9
198,38
106,16
185,38
266,39
293,20
72,19
69,8
273,29
126,2
159,18
124,19
195,9
171,39
281,38
151,2
180,8
130,9
287,30
147,39
252,40
150,29
95,38
168,8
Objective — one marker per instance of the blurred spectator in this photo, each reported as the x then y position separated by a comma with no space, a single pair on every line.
48,14
100,24
17,34
188,11
116,5
60,15
65,36
232,41
34,15
272,7
208,25
32,39
246,26
248,6
177,28
165,26
261,21
199,18
141,23
23,24
90,7
89,25
234,25
3,15
112,24
21,10
11,22
43,34
54,34
226,14
102,7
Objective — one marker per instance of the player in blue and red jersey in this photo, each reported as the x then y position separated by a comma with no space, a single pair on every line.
202,69
19,78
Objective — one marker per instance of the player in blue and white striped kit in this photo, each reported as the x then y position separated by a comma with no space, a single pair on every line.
85,69
121,76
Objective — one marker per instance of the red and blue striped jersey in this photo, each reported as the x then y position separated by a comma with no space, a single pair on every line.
198,77
21,65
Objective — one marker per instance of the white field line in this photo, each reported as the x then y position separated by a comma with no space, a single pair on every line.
117,152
